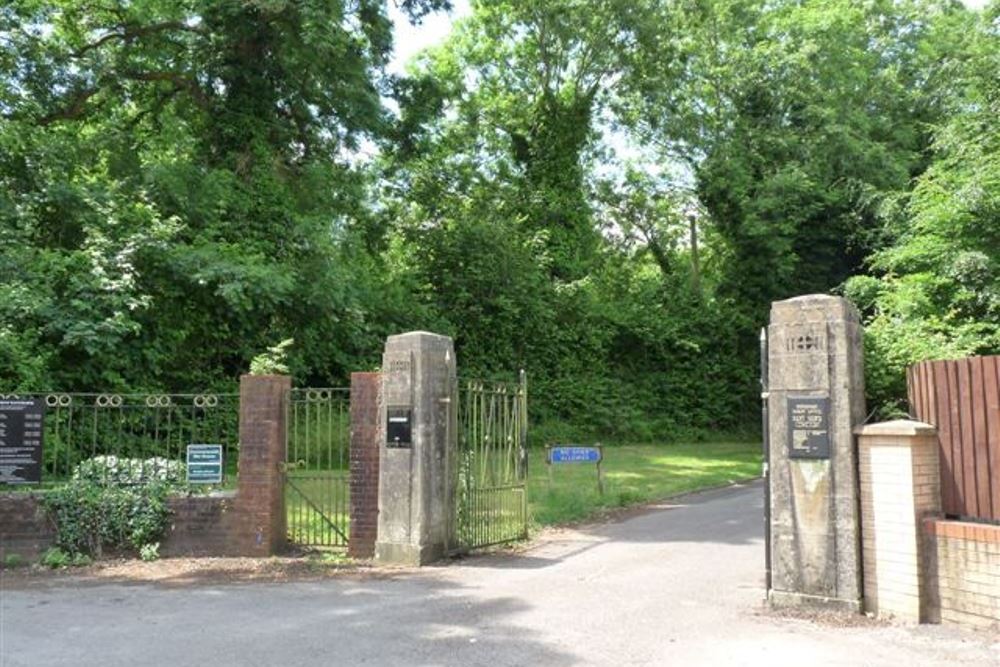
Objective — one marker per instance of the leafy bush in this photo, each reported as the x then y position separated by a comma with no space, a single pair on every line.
13,560
274,361
114,471
90,517
55,557
150,552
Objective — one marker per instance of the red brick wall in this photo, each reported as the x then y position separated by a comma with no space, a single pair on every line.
250,522
365,435
198,526
201,526
24,527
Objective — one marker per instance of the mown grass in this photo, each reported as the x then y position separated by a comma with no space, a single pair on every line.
634,474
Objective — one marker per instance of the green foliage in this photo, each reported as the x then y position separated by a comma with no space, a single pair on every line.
118,471
274,361
935,290
56,558
150,552
11,561
182,183
90,517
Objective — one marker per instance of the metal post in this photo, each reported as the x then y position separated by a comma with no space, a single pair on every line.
600,478
765,437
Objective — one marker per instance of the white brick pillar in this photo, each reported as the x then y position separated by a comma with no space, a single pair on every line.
900,485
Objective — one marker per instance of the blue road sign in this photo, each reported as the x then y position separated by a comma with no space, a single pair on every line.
574,454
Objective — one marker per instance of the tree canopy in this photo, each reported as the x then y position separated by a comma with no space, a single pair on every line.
607,193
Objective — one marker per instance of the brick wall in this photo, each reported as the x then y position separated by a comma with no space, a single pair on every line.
250,522
365,437
198,526
24,527
898,474
964,571
201,526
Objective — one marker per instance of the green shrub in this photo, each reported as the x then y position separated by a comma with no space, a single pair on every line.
119,471
55,558
81,560
150,552
90,517
13,560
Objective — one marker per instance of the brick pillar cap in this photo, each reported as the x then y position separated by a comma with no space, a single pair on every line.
896,427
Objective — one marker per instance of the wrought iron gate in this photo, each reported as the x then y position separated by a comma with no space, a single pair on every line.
317,476
492,500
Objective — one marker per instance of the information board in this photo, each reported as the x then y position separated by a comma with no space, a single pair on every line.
559,454
808,428
574,454
204,464
21,426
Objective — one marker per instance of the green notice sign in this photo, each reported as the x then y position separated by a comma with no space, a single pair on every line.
204,464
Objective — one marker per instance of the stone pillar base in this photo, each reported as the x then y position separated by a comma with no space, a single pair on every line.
790,600
394,553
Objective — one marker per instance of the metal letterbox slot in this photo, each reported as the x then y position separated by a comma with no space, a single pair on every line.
399,427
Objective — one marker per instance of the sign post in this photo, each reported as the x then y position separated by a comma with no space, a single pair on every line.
204,464
559,454
21,428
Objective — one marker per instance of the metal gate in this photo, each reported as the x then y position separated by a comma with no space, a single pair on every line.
492,500
317,506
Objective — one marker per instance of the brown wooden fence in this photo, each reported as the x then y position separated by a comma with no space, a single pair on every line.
962,399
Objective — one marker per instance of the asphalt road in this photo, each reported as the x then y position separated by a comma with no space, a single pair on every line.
680,584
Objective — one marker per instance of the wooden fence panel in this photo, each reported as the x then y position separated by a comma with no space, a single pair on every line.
962,399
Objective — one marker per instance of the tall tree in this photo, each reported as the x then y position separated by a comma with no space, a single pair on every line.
793,117
934,292
178,175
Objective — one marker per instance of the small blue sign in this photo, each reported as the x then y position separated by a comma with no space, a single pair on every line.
204,464
574,454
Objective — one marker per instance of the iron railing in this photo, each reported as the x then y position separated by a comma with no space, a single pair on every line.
317,461
492,470
123,438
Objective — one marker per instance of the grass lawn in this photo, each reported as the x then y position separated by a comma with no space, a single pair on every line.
634,474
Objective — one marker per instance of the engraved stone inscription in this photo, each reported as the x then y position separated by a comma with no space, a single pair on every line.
805,339
399,369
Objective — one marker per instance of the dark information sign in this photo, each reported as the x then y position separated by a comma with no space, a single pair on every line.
21,440
204,464
808,428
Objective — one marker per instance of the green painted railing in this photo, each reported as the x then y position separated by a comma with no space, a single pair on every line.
118,438
317,475
492,502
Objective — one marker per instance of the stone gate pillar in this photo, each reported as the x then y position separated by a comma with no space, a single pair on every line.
416,495
816,398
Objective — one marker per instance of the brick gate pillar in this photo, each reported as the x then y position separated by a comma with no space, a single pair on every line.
365,437
900,485
261,499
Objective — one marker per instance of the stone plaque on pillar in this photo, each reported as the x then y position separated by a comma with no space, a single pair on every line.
417,487
815,399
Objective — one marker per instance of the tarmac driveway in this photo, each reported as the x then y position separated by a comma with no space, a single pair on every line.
679,584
